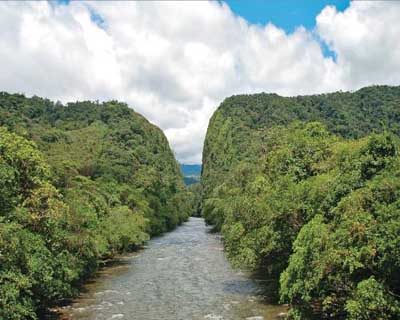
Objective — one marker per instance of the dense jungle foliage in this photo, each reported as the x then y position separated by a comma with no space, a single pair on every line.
78,183
307,190
194,198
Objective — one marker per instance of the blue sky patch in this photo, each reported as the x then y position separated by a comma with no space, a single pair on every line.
285,14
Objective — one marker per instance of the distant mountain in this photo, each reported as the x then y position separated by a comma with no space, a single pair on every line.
191,169
191,180
191,173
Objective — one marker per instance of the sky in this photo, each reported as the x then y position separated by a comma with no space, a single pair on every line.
175,62
285,14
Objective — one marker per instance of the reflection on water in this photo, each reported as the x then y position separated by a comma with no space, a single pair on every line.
181,275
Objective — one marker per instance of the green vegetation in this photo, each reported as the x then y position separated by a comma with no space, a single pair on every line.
78,184
307,190
194,198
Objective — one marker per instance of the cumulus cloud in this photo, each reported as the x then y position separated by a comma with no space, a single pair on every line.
365,38
175,62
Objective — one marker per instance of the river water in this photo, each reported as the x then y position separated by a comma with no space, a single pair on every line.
182,275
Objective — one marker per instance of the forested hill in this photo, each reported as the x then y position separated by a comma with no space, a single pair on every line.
306,189
237,126
78,183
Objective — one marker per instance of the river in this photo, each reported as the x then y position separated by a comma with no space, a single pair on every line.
181,275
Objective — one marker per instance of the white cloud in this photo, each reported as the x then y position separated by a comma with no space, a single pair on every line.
366,40
175,62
